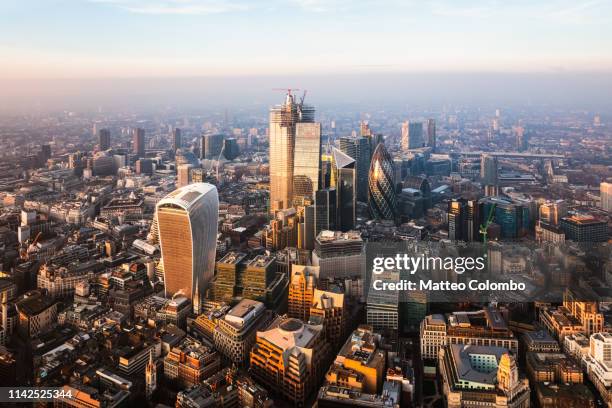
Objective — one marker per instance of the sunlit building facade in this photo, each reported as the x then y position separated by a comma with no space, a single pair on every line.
382,194
187,223
307,161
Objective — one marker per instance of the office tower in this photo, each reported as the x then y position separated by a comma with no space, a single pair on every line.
307,237
343,180
150,376
457,220
138,142
382,194
258,276
473,220
339,254
177,142
325,210
433,336
234,335
431,134
288,357
474,374
211,146
359,149
283,120
307,161
488,170
585,229
104,139
187,222
143,166
329,309
605,191
522,138
512,218
412,135
301,290
230,148
551,212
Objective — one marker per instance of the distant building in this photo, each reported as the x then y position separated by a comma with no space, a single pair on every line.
104,139
412,135
585,229
138,142
605,192
382,190
177,142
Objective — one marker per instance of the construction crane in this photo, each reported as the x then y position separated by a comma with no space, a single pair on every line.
484,227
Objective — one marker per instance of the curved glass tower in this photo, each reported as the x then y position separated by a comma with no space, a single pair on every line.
187,222
381,188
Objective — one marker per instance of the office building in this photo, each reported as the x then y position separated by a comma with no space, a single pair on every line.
258,279
307,161
329,309
177,142
211,146
228,280
325,208
412,135
339,255
230,148
302,286
585,229
488,170
283,121
289,357
431,134
104,139
191,362
37,314
342,178
359,149
138,142
382,308
551,212
234,335
187,222
605,193
483,376
382,190
598,364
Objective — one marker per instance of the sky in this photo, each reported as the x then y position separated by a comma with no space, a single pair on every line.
78,39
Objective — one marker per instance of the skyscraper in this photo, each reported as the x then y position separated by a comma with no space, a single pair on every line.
307,161
457,220
104,139
488,170
431,134
283,120
211,146
187,222
138,142
176,139
343,179
412,135
359,149
325,210
605,191
230,148
382,194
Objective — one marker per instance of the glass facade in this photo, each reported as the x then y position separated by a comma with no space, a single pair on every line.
307,161
382,195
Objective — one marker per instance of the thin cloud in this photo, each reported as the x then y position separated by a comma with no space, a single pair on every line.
177,7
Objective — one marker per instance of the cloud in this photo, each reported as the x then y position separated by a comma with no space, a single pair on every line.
177,7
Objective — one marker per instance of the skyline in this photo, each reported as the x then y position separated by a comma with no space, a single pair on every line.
182,38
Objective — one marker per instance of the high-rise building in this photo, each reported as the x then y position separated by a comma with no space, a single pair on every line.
382,190
301,290
343,178
605,191
283,120
383,305
431,134
289,357
228,280
177,142
187,224
339,255
307,161
230,148
211,146
488,170
325,208
359,149
584,228
412,135
457,220
104,139
551,212
138,142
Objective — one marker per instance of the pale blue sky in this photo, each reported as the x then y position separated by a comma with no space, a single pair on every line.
128,38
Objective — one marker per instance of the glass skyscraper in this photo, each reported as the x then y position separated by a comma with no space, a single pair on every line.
359,149
187,223
343,179
307,161
382,195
